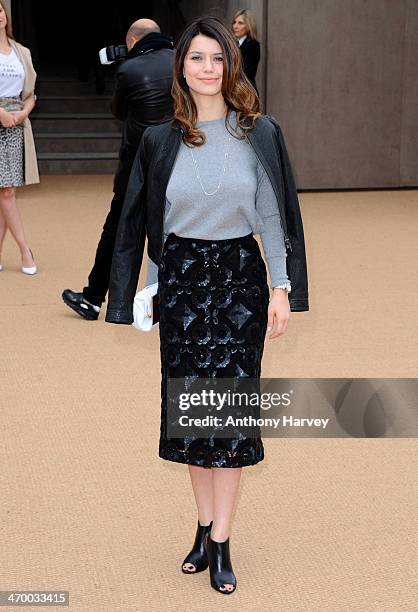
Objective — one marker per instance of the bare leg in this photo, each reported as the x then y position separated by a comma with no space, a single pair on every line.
202,488
215,492
3,230
201,479
225,491
14,223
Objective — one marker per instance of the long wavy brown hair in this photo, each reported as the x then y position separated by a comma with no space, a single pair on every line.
237,91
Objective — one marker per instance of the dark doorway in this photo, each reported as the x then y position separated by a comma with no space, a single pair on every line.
65,38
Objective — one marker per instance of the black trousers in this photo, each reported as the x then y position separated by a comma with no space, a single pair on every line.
98,281
213,300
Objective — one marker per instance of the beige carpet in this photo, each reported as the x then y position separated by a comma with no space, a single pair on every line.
88,506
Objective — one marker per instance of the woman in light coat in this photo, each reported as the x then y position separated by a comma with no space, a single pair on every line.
18,164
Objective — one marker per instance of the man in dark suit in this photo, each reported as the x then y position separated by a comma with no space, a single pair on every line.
142,98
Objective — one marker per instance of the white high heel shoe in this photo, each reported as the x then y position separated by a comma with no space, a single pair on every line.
32,269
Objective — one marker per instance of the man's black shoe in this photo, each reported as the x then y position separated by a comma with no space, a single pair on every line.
77,302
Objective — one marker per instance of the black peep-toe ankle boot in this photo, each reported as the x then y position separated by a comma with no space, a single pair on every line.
198,555
220,568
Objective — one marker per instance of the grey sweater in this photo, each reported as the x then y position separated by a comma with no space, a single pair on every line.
244,203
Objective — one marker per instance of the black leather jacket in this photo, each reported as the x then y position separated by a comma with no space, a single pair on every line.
142,96
143,212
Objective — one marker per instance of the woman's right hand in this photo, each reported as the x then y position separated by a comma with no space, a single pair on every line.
7,119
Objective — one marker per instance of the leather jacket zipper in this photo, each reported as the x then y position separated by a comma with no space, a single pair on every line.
287,242
162,231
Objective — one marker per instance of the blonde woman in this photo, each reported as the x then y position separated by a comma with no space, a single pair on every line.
18,164
244,28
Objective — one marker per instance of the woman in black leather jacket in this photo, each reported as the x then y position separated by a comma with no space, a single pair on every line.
214,300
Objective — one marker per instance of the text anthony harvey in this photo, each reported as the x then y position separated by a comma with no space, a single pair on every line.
249,421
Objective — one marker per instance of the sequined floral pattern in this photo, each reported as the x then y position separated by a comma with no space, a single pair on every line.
213,297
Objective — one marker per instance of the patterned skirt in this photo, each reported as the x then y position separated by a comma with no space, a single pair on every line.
11,149
213,298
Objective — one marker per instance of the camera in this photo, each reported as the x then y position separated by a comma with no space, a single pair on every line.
113,53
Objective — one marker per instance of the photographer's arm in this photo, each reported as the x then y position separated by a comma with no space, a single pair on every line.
118,105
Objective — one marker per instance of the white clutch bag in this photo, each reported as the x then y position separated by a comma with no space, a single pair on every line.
145,310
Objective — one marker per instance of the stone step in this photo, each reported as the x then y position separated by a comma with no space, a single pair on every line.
70,87
74,122
72,104
77,163
79,155
87,142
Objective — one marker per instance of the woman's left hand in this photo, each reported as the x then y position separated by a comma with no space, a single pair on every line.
20,116
278,313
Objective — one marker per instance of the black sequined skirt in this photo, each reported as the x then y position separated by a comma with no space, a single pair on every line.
213,297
